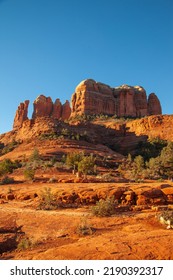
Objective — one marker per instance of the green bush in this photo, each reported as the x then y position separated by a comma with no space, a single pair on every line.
9,147
29,173
47,200
104,208
7,166
24,244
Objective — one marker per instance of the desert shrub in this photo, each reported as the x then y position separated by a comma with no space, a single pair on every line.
9,147
6,180
35,156
7,166
84,228
73,159
24,244
81,163
29,173
47,200
150,149
104,208
87,165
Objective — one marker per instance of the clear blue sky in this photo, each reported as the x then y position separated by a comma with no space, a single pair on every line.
50,46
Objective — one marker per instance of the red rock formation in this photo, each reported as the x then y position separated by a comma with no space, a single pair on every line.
21,114
57,109
66,110
154,107
91,97
43,107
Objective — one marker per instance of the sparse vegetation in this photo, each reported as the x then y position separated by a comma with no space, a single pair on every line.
29,173
4,149
7,166
84,228
24,244
47,200
81,163
160,167
104,208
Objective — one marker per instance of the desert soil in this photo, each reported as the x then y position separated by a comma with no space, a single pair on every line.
54,234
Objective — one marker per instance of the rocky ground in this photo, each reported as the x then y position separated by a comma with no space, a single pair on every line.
133,232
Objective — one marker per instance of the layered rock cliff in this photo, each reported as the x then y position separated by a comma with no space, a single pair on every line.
43,107
92,97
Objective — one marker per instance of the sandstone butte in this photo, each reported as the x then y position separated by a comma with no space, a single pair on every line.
90,98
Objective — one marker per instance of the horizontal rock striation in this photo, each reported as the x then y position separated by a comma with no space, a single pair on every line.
92,97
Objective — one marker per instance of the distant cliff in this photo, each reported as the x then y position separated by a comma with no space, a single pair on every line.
92,98
43,107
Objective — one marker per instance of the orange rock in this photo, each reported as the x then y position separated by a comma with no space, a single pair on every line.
43,107
154,107
66,110
21,114
57,109
91,97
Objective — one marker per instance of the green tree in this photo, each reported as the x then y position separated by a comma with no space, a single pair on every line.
73,159
35,156
138,166
29,173
86,165
7,166
154,168
166,158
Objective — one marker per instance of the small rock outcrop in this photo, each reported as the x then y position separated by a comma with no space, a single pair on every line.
21,114
92,97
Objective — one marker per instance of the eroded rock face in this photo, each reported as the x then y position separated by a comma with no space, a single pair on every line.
66,110
91,97
57,109
21,114
43,107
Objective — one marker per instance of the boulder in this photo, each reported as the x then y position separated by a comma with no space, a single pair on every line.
21,114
